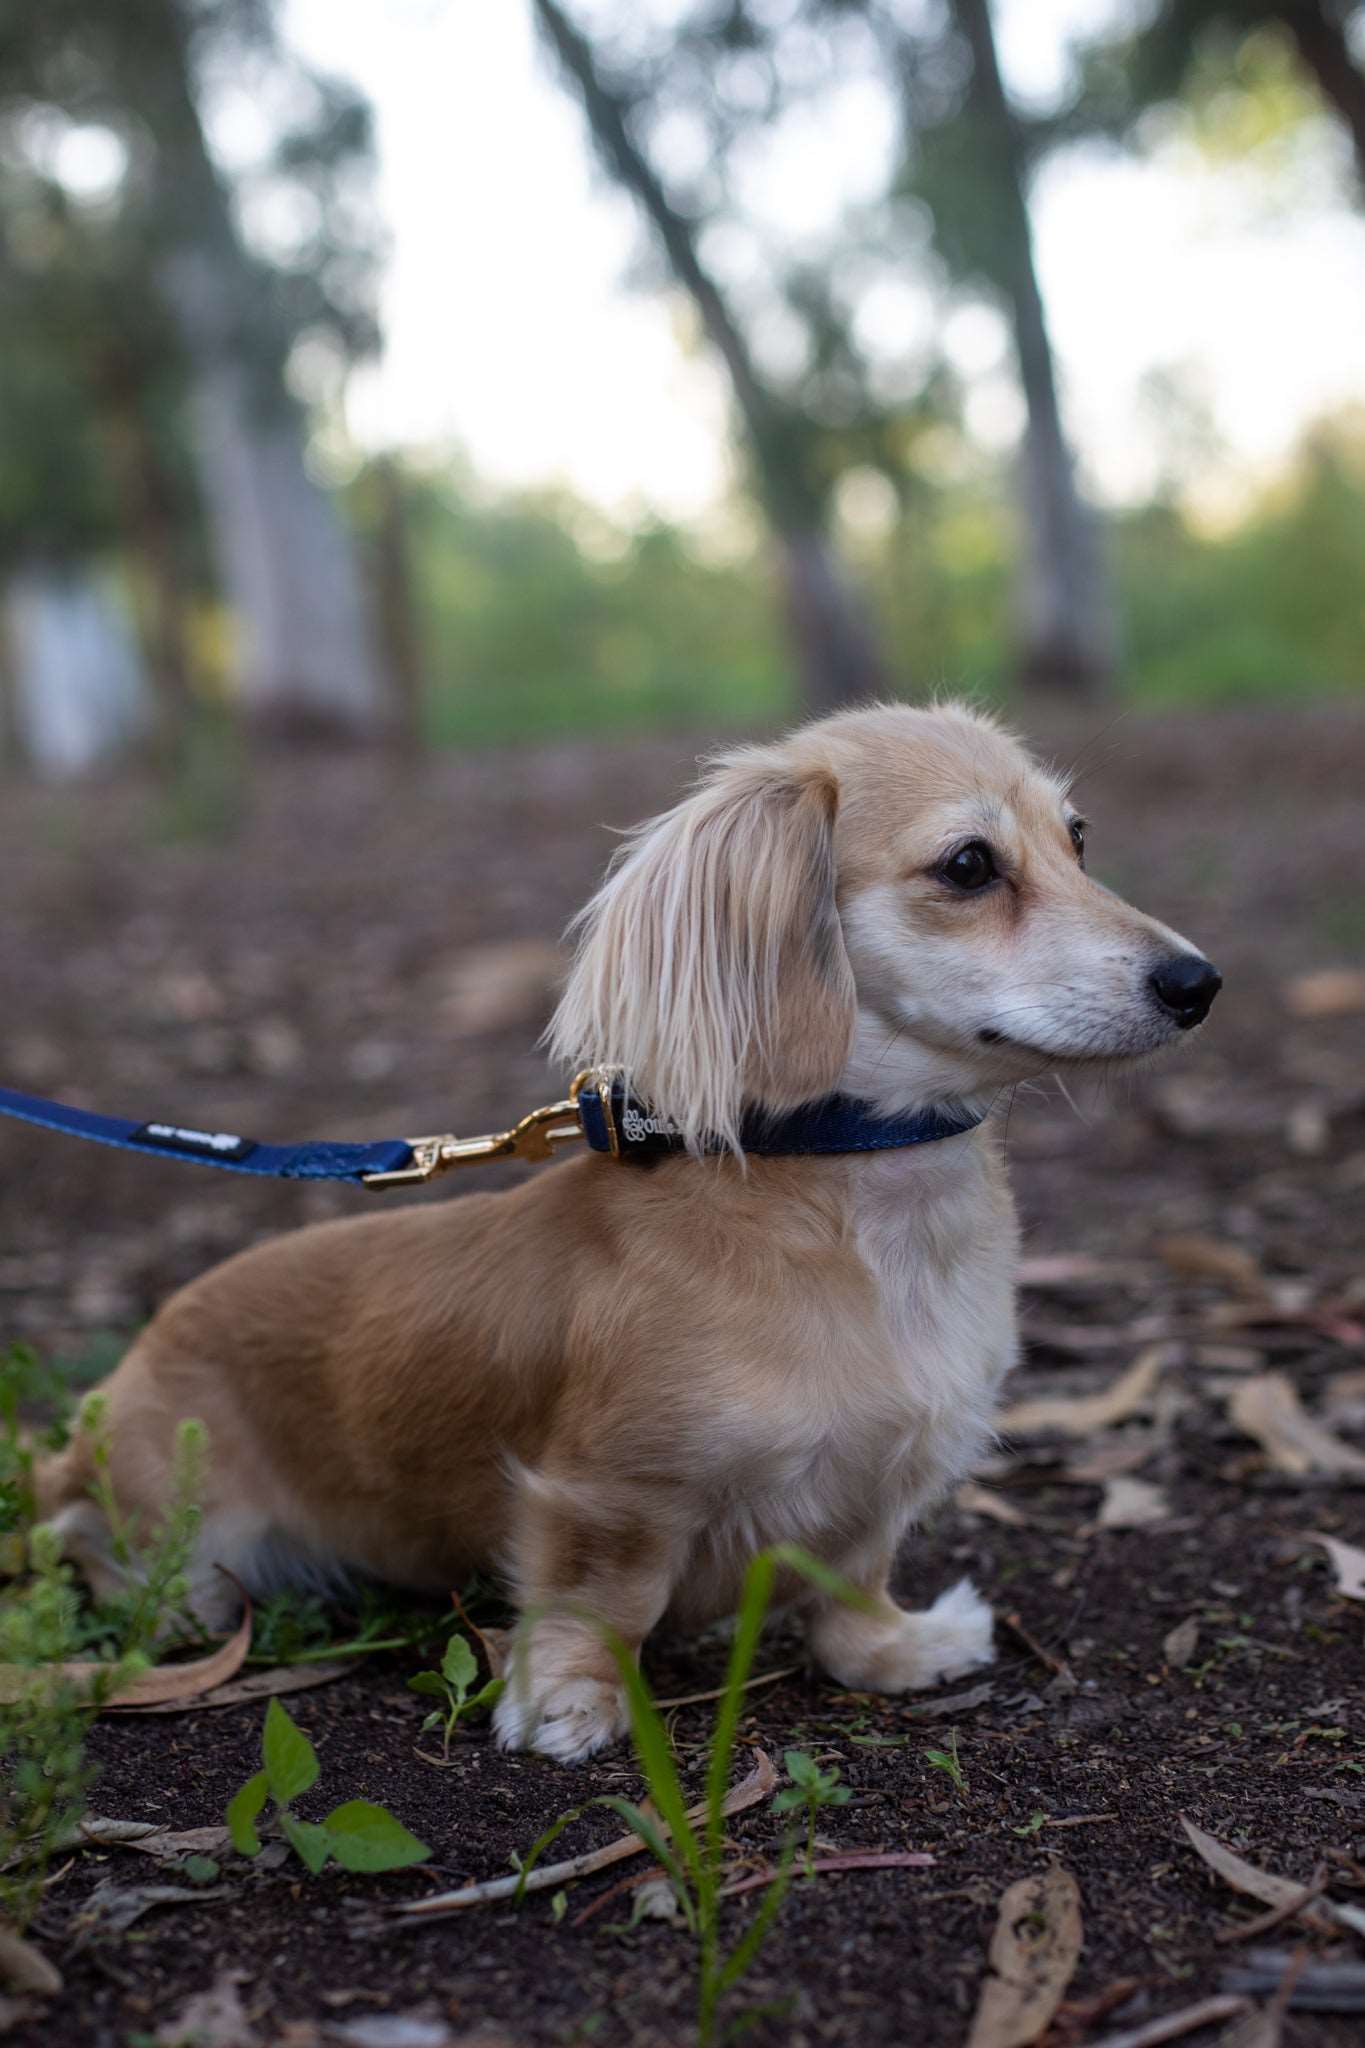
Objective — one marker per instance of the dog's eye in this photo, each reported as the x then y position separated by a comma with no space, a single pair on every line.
1077,830
971,867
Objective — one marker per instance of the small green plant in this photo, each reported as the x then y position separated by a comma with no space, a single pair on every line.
358,1835
690,1848
450,1685
25,1381
811,1788
948,1761
153,1609
44,1711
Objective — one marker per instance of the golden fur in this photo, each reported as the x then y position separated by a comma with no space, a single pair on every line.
611,1385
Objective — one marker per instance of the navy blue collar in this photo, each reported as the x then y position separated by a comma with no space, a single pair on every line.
610,1118
614,1122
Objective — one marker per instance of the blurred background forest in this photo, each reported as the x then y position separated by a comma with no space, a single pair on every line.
424,375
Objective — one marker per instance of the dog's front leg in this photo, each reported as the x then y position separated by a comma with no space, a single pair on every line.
881,1647
593,1556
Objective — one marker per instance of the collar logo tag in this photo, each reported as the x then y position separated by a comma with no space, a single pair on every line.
637,1126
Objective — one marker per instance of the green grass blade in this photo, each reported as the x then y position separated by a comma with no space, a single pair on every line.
654,1753
641,1824
540,1845
756,1933
758,1588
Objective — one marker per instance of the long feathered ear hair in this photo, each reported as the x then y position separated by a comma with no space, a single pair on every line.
711,963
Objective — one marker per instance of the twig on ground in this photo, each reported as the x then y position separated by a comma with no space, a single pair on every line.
761,1781
697,1699
1031,1643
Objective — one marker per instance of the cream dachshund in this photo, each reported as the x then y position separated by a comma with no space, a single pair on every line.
613,1386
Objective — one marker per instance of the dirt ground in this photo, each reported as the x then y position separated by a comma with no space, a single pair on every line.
319,967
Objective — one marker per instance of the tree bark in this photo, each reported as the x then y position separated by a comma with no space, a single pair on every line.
80,692
151,521
1066,622
288,567
838,660
1323,48
831,633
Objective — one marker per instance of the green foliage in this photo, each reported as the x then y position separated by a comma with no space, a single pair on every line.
357,1834
298,1628
811,1788
690,1851
948,1761
156,1564
537,616
25,1382
451,1685
62,1660
44,1711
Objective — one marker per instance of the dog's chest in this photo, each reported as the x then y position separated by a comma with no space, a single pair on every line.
881,1412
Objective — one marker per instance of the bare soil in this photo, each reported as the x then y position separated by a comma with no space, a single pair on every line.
306,972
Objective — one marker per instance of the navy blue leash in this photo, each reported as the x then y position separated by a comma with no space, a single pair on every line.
599,1109
319,1160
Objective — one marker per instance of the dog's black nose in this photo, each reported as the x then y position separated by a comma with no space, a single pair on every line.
1186,985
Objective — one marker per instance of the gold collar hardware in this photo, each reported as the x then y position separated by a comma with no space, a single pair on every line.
540,1135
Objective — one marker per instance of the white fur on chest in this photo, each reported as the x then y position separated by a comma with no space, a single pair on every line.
937,1232
873,1421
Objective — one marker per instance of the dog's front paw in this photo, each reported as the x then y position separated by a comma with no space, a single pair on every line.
570,1720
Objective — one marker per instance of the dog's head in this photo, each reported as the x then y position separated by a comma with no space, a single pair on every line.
893,902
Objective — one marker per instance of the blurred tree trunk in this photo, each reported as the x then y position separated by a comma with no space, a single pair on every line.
1321,42
831,633
287,565
1066,622
79,688
150,517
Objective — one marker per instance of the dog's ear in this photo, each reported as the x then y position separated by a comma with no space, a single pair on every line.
711,963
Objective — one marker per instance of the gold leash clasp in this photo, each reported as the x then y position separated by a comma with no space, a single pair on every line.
541,1134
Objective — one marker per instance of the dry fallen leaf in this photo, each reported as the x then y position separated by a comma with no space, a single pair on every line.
1268,1407
1033,1955
1079,1270
112,1909
1348,1562
1079,1414
1280,1892
1192,1256
1132,1504
163,1682
1182,1642
1108,1455
1331,992
24,1968
215,2018
259,1685
987,1505
151,1838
